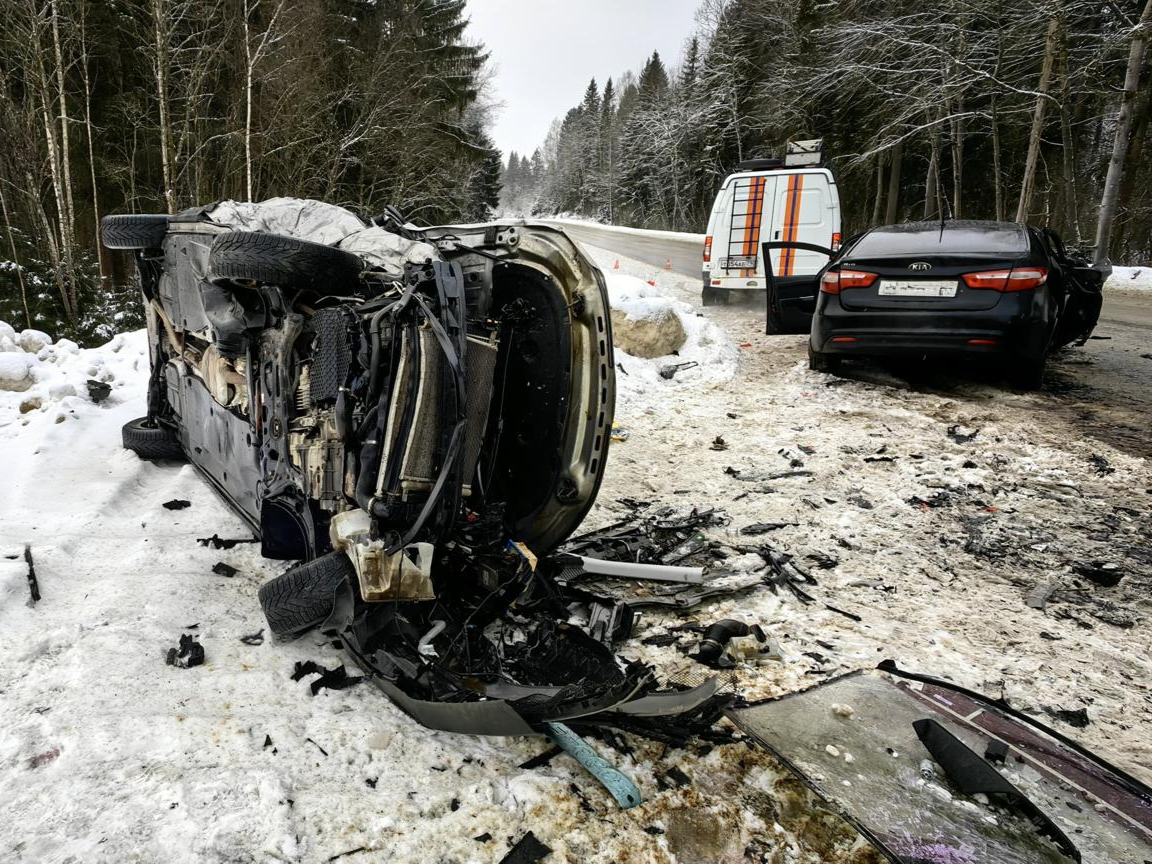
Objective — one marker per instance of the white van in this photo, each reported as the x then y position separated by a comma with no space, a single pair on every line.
771,200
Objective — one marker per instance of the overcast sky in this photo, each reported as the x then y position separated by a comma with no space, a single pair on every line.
545,51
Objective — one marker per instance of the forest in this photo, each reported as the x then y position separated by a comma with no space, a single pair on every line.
967,108
960,109
155,106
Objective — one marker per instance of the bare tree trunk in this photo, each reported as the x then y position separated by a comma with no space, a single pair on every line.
876,205
160,24
932,182
247,105
16,261
101,252
1068,186
896,163
65,137
1109,199
997,179
1027,184
957,160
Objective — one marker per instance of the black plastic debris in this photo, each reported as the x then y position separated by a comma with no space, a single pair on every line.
176,504
727,642
732,472
218,542
482,838
541,758
718,443
1104,574
222,569
267,741
823,561
189,654
1103,466
860,501
678,777
33,582
852,615
654,830
528,850
961,435
98,391
317,746
330,679
1076,718
757,528
371,782
879,458
996,751
1038,596
253,638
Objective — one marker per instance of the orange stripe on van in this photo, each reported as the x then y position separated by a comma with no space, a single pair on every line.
791,222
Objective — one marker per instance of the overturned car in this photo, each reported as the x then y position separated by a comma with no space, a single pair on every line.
419,415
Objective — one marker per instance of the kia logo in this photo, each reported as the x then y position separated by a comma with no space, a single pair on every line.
919,265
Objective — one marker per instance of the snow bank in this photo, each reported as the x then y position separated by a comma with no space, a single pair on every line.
1130,279
638,380
43,379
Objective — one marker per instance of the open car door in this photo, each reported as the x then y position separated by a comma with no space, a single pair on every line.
791,299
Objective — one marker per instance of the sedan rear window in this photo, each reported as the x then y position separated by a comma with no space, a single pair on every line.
927,238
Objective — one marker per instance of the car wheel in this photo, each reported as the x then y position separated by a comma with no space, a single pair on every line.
1029,373
285,261
714,296
150,441
133,231
303,597
818,362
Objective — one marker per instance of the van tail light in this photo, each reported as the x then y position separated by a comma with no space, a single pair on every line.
707,248
1016,279
836,242
835,281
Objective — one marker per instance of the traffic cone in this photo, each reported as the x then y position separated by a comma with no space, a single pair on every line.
667,263
616,266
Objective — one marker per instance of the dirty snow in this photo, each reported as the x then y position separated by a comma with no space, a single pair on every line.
1130,279
939,512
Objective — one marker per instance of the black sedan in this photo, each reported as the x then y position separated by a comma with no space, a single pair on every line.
962,288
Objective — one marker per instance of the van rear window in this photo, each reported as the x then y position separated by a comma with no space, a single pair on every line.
927,238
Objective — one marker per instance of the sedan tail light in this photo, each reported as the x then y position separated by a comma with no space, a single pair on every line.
1016,279
835,281
707,248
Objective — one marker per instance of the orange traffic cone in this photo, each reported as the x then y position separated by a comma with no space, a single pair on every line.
616,266
667,263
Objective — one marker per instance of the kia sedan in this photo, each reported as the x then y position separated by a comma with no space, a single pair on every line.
966,289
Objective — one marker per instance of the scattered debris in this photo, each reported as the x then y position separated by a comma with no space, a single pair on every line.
189,654
619,786
482,838
176,504
222,569
253,638
1038,596
860,501
757,528
677,776
528,850
996,751
218,542
1077,718
1103,466
718,444
669,372
44,758
619,433
727,642
541,759
350,851
961,435
851,615
318,747
267,741
33,582
1104,574
330,679
98,391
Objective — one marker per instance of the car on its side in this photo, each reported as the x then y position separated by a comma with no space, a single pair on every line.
963,288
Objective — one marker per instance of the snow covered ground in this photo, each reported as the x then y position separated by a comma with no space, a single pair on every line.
1130,279
942,508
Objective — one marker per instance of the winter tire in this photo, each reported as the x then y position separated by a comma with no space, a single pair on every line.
714,296
304,596
133,231
150,441
818,362
285,261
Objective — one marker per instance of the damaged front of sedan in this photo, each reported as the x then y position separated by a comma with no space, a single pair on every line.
420,414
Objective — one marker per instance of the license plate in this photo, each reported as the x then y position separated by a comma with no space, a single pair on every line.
919,288
739,263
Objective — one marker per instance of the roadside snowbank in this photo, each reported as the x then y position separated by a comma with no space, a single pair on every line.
1130,279
638,381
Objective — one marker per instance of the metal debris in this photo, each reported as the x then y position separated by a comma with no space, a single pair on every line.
33,582
189,654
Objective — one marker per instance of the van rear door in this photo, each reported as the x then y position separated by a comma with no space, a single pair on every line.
743,209
807,211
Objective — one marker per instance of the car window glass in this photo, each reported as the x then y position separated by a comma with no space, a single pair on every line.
927,238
